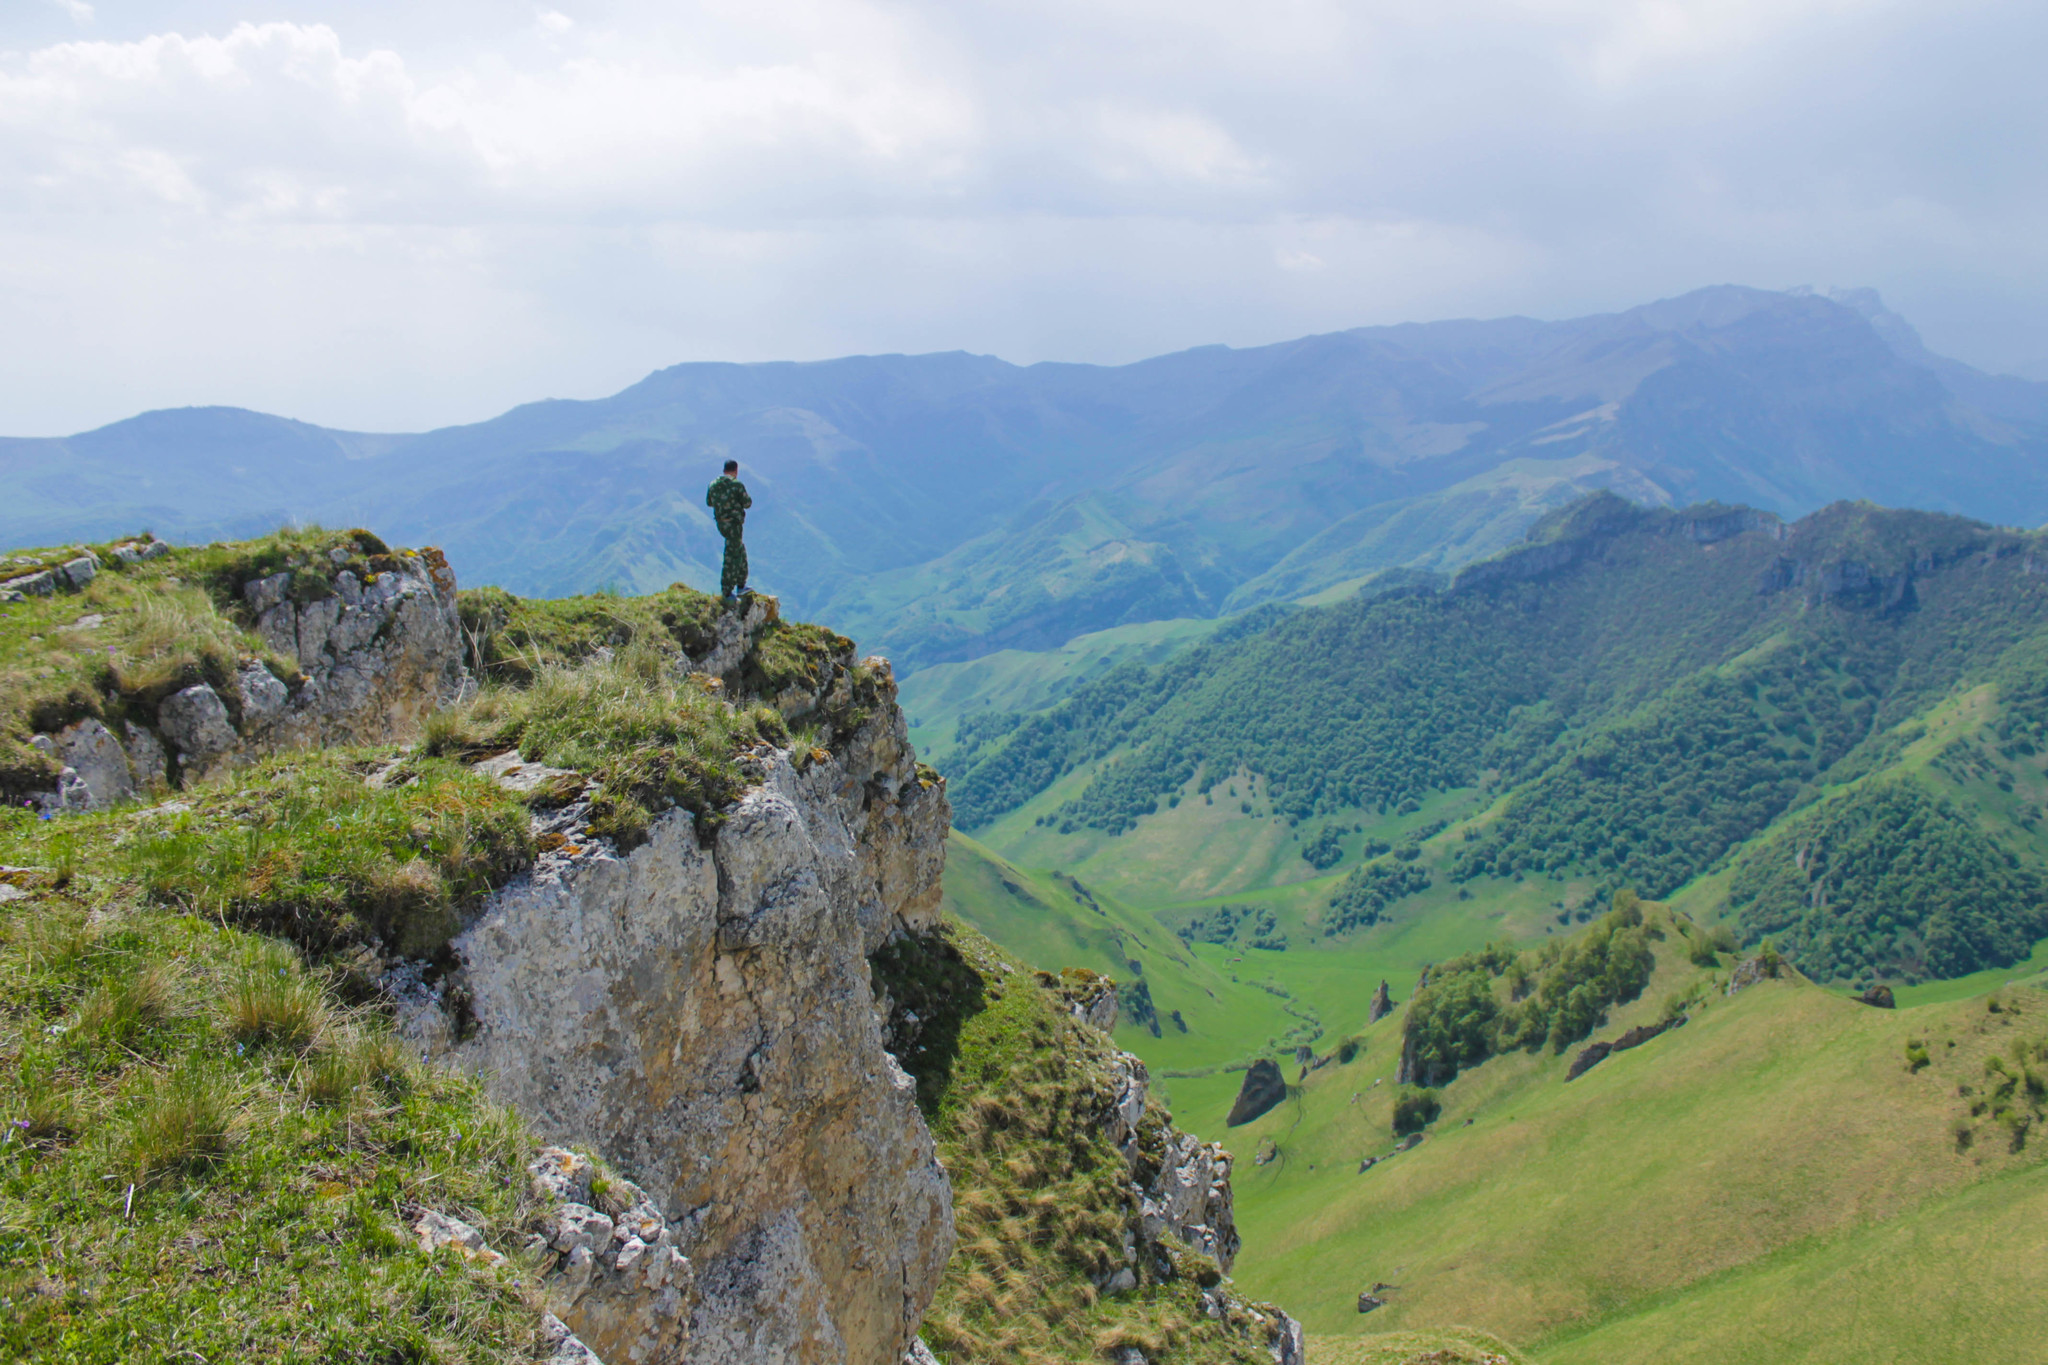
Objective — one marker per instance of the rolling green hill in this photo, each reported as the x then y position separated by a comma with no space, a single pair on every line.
1632,698
1777,1180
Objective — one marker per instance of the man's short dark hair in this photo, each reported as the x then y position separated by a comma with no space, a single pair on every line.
732,466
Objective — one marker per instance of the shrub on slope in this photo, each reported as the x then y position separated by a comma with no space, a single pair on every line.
1555,995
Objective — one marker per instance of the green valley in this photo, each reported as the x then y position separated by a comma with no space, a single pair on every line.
1822,737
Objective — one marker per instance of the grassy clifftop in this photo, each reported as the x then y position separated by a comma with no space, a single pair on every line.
214,1147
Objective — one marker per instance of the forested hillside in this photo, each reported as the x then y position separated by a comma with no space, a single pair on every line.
1635,698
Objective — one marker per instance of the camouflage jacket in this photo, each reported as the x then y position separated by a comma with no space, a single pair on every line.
727,498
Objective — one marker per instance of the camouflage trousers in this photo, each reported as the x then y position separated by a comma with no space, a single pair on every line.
733,575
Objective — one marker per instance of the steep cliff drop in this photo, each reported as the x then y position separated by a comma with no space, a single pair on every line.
697,1013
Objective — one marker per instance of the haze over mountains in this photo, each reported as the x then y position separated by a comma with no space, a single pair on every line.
944,506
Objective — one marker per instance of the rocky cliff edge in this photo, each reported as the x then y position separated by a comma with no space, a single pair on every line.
697,1013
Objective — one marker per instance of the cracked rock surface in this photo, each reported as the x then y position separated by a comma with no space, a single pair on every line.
698,1014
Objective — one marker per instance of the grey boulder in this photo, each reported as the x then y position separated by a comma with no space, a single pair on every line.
90,749
195,721
263,696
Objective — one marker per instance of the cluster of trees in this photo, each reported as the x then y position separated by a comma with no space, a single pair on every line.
1368,891
1097,718
1653,799
1497,1000
1231,923
1367,704
1326,850
1889,880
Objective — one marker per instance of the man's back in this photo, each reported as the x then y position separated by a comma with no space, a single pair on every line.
727,498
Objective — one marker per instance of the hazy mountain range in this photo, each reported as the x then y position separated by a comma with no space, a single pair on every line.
943,506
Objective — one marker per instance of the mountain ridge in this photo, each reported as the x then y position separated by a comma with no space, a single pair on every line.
943,506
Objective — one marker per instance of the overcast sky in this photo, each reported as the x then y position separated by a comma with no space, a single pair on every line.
389,216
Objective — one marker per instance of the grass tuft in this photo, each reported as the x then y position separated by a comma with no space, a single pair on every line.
121,1011
651,740
275,1004
187,1121
300,847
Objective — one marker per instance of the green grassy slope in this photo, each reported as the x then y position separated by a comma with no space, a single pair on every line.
1238,1002
1779,1137
1782,1118
1958,1279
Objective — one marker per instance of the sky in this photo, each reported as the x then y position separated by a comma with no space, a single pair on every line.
391,216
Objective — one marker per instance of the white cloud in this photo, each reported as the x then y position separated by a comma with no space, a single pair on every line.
581,197
80,12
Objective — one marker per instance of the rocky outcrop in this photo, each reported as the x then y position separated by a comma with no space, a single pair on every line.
1643,1033
1181,1185
1263,1088
374,655
612,1261
1879,997
1635,1037
1588,1058
1382,1005
1089,996
699,1014
24,576
378,650
1750,971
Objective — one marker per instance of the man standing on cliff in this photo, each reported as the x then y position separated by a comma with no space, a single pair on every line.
727,498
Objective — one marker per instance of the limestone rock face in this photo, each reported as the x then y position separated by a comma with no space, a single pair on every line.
195,723
617,1274
699,1014
376,657
1182,1184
